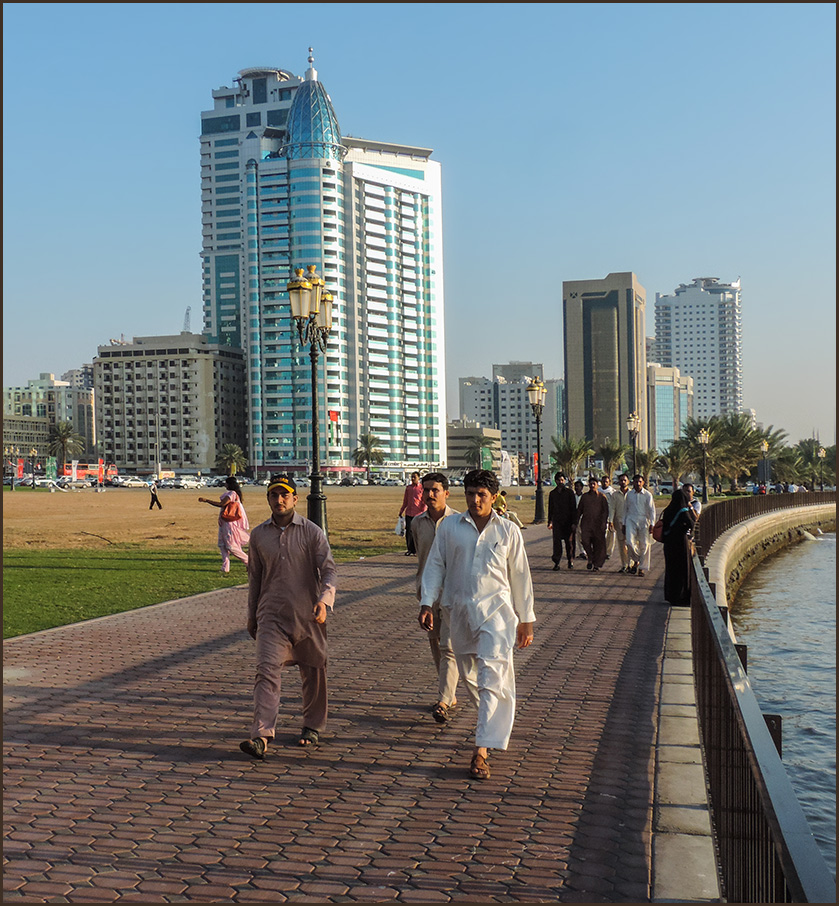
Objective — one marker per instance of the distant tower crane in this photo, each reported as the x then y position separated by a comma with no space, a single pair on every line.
186,319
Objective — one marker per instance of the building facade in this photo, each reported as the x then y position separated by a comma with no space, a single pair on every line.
460,438
605,357
502,403
169,402
698,330
669,405
56,401
281,189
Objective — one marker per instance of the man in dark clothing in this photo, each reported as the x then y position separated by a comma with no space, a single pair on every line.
592,516
562,513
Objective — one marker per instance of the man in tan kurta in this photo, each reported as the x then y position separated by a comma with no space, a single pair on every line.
435,494
291,584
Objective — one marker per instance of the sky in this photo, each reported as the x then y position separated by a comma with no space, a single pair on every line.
576,139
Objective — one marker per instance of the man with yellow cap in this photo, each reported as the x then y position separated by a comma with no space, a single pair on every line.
291,585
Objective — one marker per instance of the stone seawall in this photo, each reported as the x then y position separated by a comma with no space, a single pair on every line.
739,550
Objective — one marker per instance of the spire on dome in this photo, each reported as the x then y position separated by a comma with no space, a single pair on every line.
313,129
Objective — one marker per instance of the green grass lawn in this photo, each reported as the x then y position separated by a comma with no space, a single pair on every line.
42,589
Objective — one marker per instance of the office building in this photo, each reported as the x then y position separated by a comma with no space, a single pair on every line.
56,401
460,438
281,189
169,402
698,330
669,405
605,357
502,403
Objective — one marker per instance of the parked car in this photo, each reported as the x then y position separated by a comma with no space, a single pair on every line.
187,482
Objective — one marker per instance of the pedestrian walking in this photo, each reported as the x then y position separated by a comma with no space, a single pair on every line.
412,506
232,524
678,521
619,507
435,495
562,513
155,500
592,518
291,587
639,517
478,571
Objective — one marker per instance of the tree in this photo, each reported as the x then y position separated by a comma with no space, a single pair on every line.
675,461
475,446
568,454
613,454
65,441
368,451
231,459
644,462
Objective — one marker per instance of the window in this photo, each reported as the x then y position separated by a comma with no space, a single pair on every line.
214,124
253,119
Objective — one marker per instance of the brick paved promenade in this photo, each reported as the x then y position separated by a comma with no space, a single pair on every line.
124,780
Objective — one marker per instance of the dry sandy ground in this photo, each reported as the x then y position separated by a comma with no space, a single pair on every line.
87,519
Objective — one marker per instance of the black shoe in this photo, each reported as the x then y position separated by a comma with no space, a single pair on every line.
589,565
633,569
570,565
556,567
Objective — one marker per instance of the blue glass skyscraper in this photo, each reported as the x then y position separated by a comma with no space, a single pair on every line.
282,189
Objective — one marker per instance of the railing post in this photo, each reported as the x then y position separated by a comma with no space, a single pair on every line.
775,723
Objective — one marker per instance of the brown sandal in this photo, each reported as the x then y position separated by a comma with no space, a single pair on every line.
440,712
479,769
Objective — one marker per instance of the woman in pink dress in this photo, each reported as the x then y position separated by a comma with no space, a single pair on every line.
233,528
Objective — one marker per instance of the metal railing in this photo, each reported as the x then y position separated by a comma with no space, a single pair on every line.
721,515
766,851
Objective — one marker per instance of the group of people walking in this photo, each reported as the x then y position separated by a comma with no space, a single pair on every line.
473,587
601,519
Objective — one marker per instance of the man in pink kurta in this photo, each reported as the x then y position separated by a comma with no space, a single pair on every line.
412,505
291,585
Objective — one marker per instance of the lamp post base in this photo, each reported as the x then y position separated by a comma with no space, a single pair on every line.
317,504
539,515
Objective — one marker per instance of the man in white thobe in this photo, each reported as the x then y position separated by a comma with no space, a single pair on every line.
638,521
619,500
478,570
607,489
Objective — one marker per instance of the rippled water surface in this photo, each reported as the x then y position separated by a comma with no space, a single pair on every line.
786,613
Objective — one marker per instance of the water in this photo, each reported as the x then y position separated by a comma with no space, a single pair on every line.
786,613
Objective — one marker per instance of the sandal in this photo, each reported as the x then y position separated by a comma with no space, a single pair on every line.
256,748
440,712
309,737
479,769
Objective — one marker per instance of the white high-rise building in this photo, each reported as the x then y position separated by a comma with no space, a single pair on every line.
698,330
282,189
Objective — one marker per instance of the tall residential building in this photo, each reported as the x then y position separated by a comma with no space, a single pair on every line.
282,189
669,404
605,357
172,401
56,401
698,330
503,404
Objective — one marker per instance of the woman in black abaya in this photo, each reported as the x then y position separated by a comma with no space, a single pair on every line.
679,520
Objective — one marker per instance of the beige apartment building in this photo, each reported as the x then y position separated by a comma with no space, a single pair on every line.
605,357
169,402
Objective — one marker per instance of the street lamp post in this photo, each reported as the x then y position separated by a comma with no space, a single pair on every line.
704,439
536,393
633,425
822,454
764,447
311,308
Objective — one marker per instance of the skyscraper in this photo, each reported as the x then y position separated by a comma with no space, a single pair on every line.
670,404
281,188
605,357
698,330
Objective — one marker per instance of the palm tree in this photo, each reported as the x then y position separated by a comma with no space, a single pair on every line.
475,446
64,442
568,454
645,462
613,454
231,459
368,451
675,461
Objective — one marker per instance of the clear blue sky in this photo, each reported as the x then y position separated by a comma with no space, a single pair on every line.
673,140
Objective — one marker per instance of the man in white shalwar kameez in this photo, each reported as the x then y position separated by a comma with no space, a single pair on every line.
478,570
638,521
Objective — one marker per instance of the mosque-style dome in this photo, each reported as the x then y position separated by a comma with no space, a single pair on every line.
313,129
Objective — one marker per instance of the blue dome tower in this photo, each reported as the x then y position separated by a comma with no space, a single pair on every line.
313,130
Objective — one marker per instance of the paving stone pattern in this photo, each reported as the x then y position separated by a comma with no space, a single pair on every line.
124,780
